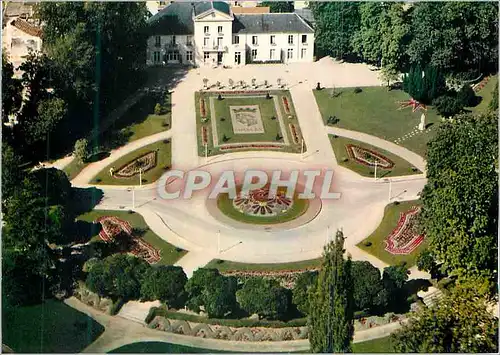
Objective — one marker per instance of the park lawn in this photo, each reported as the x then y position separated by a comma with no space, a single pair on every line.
380,345
163,163
267,110
389,222
486,94
74,168
401,166
375,111
169,253
50,327
224,265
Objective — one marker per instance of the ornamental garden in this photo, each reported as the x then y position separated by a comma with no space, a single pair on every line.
243,120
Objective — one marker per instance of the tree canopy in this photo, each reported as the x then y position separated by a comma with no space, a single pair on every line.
164,283
300,296
278,6
264,297
368,290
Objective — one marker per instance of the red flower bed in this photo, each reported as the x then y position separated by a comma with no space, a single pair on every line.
414,104
204,135
113,226
356,152
286,278
252,145
404,238
203,111
295,134
285,105
481,84
242,92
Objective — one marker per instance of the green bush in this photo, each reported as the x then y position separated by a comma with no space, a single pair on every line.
367,244
264,297
117,305
357,90
448,105
158,109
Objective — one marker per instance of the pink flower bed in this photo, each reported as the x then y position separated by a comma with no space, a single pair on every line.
286,278
204,135
252,145
113,226
360,155
481,84
242,92
285,105
405,238
295,134
203,111
414,104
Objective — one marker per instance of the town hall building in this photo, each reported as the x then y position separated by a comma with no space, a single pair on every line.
210,34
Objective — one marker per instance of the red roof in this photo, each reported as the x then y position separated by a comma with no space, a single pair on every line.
27,27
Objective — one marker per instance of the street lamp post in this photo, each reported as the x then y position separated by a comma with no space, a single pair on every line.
376,170
390,190
140,177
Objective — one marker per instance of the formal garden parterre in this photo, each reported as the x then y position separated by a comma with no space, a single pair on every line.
242,120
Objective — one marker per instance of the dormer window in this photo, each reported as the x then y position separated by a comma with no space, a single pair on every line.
205,29
219,29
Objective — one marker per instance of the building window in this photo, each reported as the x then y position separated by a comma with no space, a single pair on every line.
236,40
237,57
158,41
173,40
173,56
290,39
205,41
254,40
189,55
273,39
189,40
156,57
206,56
303,52
272,54
219,41
254,54
205,29
304,38
289,53
219,29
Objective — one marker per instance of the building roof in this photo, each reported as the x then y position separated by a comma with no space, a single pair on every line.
250,10
176,18
27,27
202,7
306,15
273,23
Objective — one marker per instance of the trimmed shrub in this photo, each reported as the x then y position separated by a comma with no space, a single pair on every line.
357,90
157,109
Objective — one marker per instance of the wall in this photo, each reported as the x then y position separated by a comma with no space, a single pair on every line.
213,22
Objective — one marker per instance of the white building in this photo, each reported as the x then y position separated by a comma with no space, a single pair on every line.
209,33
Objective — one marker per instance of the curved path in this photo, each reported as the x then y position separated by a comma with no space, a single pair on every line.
120,331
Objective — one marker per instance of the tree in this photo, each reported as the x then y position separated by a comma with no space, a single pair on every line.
278,6
395,276
164,283
426,262
300,294
336,24
448,105
459,323
264,297
368,291
118,276
466,96
331,326
461,163
493,105
216,293
11,89
81,150
424,86
367,42
394,33
55,184
12,174
389,74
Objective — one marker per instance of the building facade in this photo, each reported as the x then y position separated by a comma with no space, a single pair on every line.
210,34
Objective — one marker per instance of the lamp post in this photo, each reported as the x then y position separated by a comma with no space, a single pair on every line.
140,177
376,170
390,190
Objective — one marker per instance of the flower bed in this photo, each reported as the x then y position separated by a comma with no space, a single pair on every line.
251,145
204,135
286,106
286,278
368,157
294,132
203,110
242,92
481,84
113,226
144,162
414,104
405,237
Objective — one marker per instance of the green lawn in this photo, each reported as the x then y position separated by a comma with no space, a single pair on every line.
375,111
224,127
224,265
486,94
225,205
74,168
51,327
389,222
401,166
163,161
169,253
381,345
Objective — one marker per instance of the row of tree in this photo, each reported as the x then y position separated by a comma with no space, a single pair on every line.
456,38
92,58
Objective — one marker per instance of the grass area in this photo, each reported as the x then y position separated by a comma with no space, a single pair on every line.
375,111
169,253
225,205
74,168
389,222
51,327
163,162
224,265
267,109
140,120
486,94
401,166
381,345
